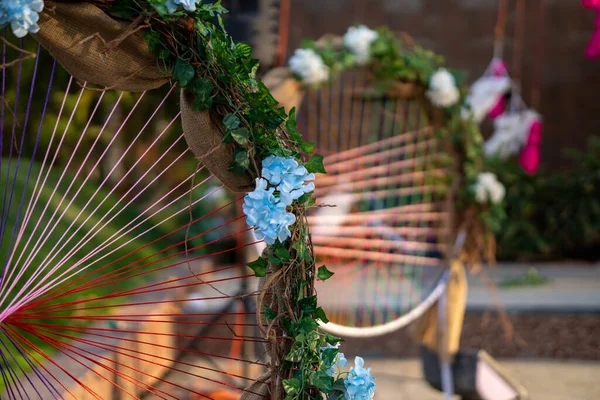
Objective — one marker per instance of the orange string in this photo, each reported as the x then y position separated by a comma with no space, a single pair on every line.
500,30
284,28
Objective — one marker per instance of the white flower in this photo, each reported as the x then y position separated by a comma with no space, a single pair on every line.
484,94
358,40
442,89
488,189
307,64
188,5
510,133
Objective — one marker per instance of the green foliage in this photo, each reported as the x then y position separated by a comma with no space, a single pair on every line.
552,216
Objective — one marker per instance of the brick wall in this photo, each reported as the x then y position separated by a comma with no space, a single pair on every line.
462,30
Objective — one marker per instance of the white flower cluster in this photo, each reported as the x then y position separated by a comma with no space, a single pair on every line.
488,189
358,40
510,133
442,89
309,66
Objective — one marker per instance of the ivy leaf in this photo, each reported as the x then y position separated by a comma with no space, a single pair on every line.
231,121
307,147
241,159
323,273
320,314
322,381
274,259
328,356
332,340
315,164
269,314
460,76
295,353
308,304
259,267
202,89
305,325
243,50
152,39
241,135
291,386
183,72
292,125
283,254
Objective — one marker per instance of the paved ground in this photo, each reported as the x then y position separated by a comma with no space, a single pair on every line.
570,287
545,380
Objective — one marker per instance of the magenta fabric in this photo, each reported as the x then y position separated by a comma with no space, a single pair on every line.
498,109
530,155
593,48
590,3
499,67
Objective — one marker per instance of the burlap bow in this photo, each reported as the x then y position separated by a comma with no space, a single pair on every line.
95,48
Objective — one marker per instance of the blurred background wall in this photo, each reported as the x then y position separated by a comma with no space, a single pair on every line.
463,31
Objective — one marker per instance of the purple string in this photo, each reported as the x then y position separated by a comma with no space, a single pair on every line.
5,211
14,377
19,365
35,369
2,111
6,380
16,224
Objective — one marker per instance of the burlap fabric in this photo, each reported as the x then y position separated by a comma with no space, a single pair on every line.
78,35
100,50
206,142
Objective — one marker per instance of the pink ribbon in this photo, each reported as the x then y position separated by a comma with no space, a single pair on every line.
593,48
530,154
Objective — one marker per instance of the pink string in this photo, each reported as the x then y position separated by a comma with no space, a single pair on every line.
3,285
51,285
54,253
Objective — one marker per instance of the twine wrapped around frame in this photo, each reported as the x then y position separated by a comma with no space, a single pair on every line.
100,50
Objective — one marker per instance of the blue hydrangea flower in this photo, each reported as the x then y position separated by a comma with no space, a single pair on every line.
340,359
22,15
188,5
267,214
360,384
288,176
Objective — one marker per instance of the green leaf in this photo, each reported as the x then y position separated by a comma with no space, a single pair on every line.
241,159
231,121
305,325
308,305
269,314
322,381
241,135
295,353
259,267
323,273
332,340
274,259
328,356
283,254
153,39
183,72
307,147
320,314
315,164
291,386
203,90
243,50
